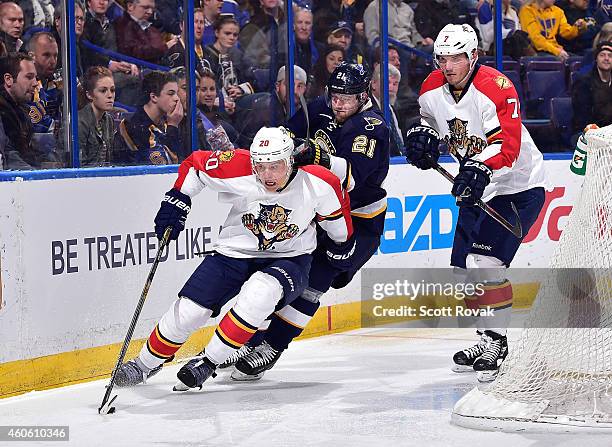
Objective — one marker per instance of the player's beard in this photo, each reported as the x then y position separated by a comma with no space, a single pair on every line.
342,115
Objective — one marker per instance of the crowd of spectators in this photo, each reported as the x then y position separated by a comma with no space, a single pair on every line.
132,80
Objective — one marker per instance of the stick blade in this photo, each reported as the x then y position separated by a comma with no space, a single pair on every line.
106,408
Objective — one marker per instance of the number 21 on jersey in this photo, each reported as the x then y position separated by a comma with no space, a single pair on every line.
363,145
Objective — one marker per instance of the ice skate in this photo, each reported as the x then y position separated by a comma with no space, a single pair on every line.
194,373
134,372
487,365
254,365
464,360
237,355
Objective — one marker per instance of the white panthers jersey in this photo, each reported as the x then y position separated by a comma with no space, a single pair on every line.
263,224
483,122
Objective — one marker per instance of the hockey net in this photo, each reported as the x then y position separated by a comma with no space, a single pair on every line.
558,377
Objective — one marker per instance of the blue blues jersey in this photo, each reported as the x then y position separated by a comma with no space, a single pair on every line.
149,143
45,107
362,144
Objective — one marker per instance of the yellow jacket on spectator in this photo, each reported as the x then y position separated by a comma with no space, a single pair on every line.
544,24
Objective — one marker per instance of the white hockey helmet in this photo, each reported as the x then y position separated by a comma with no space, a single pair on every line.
456,39
272,144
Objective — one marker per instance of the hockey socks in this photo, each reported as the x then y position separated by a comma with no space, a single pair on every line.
175,326
230,335
289,322
498,298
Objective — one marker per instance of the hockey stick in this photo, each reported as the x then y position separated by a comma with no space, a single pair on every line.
204,253
305,109
515,229
105,407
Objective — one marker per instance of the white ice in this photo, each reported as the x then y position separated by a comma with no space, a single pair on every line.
362,388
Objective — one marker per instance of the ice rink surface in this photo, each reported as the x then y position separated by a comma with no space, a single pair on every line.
371,387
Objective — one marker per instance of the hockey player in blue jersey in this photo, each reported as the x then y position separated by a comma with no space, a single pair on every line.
351,138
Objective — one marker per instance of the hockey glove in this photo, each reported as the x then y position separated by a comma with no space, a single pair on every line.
172,213
340,255
422,146
310,153
470,182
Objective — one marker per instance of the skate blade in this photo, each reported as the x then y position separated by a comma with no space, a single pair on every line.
486,376
181,387
462,368
238,376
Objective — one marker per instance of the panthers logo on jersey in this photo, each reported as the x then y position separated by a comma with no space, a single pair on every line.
459,142
226,156
503,82
272,220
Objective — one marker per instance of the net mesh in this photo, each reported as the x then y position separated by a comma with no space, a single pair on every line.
561,368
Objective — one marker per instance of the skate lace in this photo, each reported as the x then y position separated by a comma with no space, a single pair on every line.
492,352
262,355
237,355
476,350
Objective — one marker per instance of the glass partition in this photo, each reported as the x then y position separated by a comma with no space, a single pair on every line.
124,74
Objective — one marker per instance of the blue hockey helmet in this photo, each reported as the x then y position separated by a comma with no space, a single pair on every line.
349,79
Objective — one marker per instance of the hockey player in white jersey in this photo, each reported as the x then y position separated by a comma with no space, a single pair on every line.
475,110
263,254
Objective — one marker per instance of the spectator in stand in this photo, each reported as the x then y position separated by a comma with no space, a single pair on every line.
37,13
393,55
396,146
430,16
45,110
341,34
11,26
269,109
151,135
137,37
401,25
588,60
168,16
237,9
226,61
578,10
96,125
175,57
208,107
605,34
592,92
18,86
79,21
212,11
263,39
330,58
485,22
406,105
544,22
100,31
183,150
603,12
329,12
306,51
